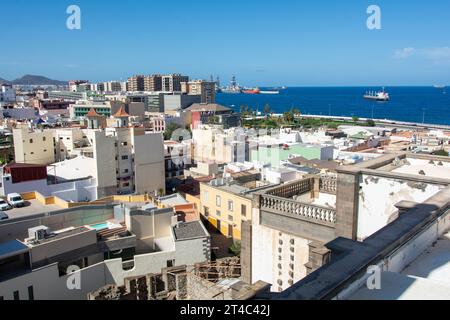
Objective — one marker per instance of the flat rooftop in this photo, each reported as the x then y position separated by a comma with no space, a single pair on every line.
60,235
12,248
189,230
433,168
426,278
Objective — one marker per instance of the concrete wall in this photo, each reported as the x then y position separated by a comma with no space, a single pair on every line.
277,258
149,162
104,155
377,199
75,191
53,248
398,260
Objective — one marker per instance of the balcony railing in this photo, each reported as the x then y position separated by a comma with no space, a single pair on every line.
295,209
328,184
292,189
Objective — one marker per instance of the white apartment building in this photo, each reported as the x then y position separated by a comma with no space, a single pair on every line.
7,93
120,159
34,147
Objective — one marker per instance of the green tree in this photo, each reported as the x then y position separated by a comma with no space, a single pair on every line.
442,153
355,119
370,123
170,129
236,248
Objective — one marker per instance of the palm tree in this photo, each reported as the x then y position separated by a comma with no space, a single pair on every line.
288,117
267,109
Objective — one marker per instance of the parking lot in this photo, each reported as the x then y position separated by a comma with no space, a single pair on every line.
31,208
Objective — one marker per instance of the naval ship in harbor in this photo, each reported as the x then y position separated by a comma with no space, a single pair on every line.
378,96
235,88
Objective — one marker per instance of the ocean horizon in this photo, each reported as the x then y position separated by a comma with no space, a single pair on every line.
419,104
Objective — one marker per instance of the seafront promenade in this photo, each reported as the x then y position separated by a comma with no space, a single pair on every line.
385,122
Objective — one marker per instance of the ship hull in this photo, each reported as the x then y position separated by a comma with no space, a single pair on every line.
376,98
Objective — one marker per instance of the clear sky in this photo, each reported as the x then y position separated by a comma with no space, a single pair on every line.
282,42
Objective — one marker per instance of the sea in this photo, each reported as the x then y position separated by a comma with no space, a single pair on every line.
428,105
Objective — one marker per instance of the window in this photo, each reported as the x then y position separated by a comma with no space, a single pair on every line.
124,144
230,218
218,201
44,138
206,211
218,213
45,150
30,293
31,140
127,184
170,263
205,195
243,210
124,157
230,205
125,171
16,295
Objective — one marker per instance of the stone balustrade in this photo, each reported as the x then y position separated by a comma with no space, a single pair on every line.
328,184
292,189
289,207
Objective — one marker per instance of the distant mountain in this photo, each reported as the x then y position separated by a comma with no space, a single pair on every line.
4,81
32,80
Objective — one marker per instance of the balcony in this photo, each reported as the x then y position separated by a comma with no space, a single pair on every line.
305,208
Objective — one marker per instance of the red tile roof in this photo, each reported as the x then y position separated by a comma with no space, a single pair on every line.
92,113
121,113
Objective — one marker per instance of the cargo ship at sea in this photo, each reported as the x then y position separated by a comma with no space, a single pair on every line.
378,96
251,91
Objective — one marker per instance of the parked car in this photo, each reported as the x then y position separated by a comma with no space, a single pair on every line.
4,205
16,200
3,216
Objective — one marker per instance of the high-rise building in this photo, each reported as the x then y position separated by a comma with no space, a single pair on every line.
172,82
74,85
136,83
205,89
153,83
7,93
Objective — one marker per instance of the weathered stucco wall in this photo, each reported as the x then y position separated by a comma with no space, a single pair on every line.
277,258
378,197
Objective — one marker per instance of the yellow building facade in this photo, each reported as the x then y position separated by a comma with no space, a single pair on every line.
225,208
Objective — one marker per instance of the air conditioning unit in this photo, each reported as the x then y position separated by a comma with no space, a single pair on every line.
38,233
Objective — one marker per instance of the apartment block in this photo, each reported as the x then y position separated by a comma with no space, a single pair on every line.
172,82
205,89
136,83
34,147
153,83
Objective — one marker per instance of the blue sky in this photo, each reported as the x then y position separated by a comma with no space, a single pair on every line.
283,42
